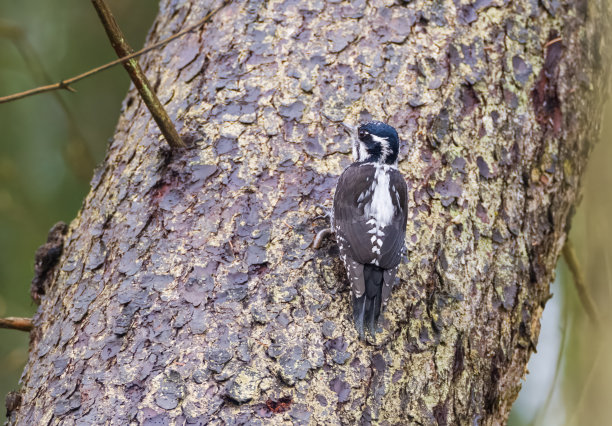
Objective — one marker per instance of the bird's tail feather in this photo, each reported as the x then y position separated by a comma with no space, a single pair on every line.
366,309
359,314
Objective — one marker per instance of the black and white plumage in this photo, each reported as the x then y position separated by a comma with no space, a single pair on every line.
369,220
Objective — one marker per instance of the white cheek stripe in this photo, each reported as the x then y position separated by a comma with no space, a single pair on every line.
385,148
363,152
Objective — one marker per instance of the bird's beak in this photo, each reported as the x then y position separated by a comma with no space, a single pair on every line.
352,130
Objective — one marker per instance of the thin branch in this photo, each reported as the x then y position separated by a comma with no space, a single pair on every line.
569,254
14,323
138,77
65,84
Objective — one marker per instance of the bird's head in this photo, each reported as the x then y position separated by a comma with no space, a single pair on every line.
376,142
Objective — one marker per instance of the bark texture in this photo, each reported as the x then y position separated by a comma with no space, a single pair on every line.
187,291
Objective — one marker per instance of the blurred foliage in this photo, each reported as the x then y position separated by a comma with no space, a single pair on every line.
47,140
588,371
584,388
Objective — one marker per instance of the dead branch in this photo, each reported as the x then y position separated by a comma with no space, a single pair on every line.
569,254
138,77
15,323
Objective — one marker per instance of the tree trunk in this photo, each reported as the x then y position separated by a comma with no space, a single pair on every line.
187,291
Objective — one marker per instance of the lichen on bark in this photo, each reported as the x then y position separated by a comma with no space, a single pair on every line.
187,290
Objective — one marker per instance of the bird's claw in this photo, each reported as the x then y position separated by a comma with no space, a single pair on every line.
326,212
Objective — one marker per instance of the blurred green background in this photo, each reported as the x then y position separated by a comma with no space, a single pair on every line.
43,179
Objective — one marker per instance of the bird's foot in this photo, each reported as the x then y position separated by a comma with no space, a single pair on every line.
323,212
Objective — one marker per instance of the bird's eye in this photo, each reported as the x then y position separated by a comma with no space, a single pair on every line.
362,133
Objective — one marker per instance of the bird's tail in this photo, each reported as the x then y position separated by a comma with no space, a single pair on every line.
366,309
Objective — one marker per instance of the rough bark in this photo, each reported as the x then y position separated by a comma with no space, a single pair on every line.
187,291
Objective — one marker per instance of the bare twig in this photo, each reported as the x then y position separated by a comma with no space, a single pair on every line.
14,323
65,84
138,77
583,292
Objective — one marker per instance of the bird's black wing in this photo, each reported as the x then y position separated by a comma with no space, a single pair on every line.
355,230
350,222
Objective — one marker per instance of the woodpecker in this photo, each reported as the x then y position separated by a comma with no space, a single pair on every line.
369,219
